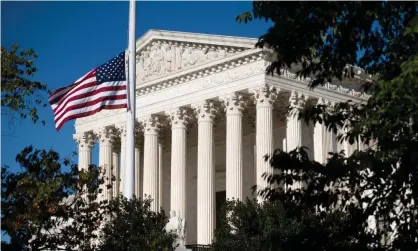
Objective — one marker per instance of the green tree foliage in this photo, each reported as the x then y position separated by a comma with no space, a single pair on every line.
272,226
133,226
324,37
44,207
382,179
19,94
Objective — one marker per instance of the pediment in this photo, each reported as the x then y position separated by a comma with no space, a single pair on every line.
161,53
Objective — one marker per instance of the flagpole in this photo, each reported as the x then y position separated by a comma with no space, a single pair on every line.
128,190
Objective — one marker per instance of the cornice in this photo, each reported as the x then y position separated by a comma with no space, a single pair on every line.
328,86
199,38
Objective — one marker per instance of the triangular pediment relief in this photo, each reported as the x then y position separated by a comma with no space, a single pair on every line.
162,55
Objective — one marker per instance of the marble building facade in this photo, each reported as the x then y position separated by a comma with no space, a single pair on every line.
206,115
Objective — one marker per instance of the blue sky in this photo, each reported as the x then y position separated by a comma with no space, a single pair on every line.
71,38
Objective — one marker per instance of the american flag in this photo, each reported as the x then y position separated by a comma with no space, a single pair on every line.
103,87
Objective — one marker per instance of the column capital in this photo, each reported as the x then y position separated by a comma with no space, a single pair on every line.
151,125
321,101
234,103
326,102
265,95
122,130
106,135
179,117
298,100
84,140
205,110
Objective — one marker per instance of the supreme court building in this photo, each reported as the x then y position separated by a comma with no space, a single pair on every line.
207,114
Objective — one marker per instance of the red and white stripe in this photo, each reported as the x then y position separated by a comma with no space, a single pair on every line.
84,98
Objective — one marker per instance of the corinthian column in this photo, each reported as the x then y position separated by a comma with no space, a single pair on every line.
151,128
106,138
324,140
85,145
264,97
297,101
205,173
178,119
234,106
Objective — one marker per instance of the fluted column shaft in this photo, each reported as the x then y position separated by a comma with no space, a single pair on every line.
264,143
205,174
151,129
234,181
348,148
84,158
293,131
264,97
178,200
85,143
106,139
294,134
160,173
320,143
122,158
115,169
138,178
324,141
294,124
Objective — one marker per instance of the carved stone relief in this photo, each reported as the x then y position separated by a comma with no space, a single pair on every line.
163,57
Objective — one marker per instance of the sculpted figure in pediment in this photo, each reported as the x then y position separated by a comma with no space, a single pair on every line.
185,54
163,57
140,66
194,56
147,63
212,55
168,57
156,56
202,55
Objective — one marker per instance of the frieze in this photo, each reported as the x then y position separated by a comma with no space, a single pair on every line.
102,114
234,72
230,70
290,75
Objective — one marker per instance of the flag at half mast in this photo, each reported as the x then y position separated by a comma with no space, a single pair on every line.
102,88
